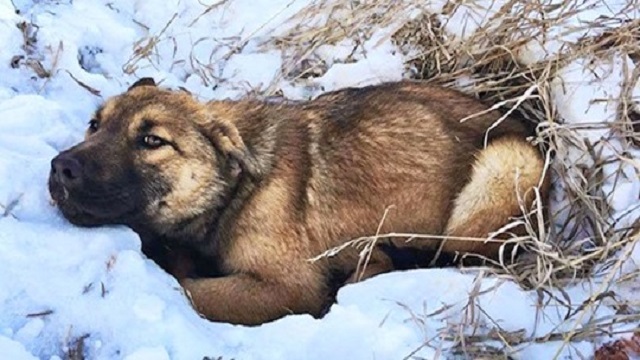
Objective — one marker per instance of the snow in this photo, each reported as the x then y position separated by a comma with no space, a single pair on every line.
14,350
60,283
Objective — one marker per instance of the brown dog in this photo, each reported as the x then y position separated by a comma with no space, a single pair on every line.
246,192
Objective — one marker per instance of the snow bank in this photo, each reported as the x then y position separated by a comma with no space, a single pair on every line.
61,285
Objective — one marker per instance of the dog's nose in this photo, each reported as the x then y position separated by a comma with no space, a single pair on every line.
67,169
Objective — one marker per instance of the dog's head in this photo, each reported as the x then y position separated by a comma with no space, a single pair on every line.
150,156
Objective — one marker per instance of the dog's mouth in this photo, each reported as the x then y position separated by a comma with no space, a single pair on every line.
71,209
82,210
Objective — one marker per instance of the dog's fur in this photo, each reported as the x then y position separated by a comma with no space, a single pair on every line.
244,193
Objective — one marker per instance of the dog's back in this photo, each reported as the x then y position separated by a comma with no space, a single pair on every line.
402,147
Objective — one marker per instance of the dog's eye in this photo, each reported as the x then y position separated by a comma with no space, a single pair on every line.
93,125
153,142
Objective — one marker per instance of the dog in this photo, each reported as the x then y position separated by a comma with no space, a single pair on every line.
235,197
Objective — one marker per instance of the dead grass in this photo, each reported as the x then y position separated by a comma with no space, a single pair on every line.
75,348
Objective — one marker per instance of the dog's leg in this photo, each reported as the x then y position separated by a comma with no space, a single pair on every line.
246,299
490,198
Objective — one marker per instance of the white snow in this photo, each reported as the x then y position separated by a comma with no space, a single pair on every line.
60,283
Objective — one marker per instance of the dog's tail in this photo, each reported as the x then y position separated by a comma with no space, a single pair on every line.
502,184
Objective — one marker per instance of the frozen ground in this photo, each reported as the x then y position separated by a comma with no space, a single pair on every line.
61,285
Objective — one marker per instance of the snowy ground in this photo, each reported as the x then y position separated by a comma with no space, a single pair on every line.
60,284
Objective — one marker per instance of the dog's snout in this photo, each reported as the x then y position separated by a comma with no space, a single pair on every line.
67,169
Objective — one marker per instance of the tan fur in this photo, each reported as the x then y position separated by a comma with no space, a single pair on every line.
254,190
502,181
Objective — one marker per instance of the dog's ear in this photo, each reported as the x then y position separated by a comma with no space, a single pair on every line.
145,81
226,138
